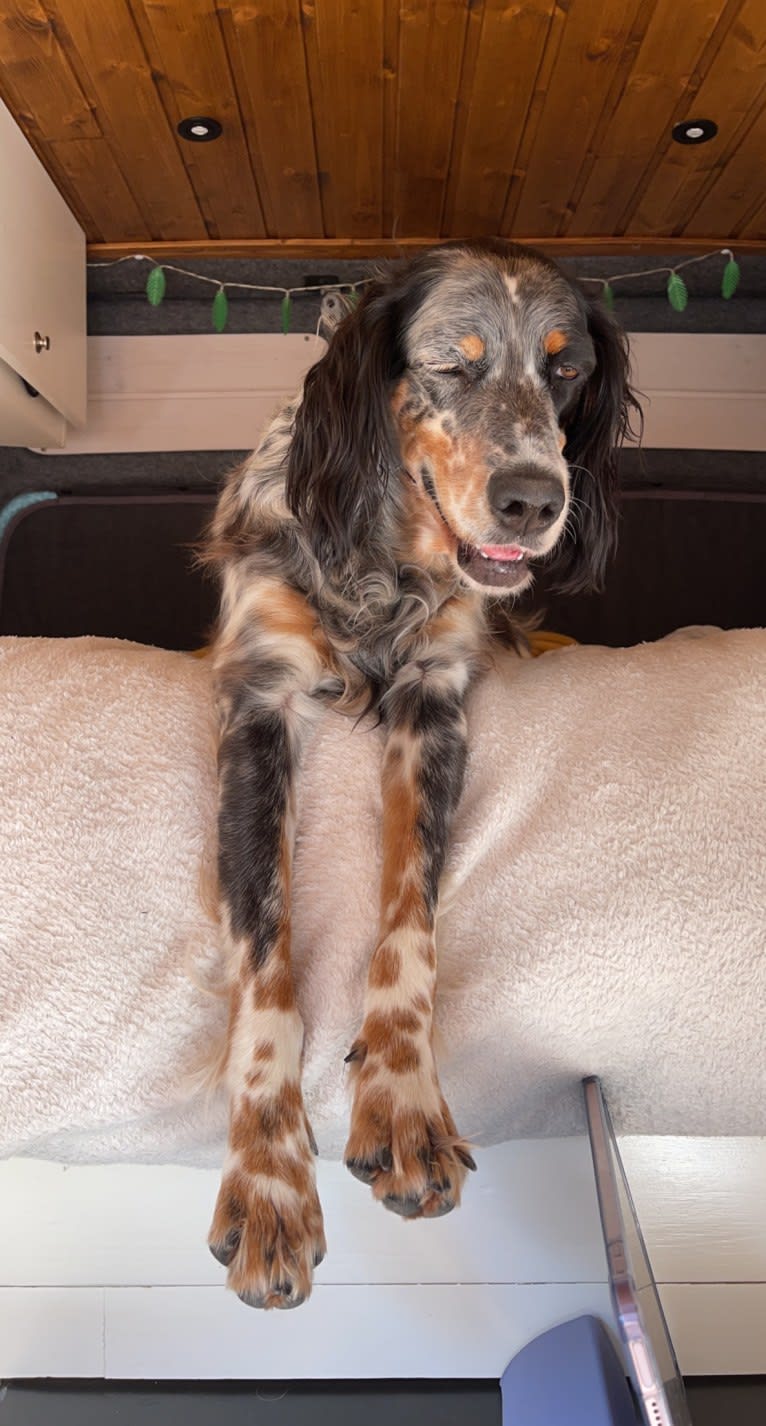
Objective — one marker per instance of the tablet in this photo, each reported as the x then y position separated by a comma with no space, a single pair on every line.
651,1360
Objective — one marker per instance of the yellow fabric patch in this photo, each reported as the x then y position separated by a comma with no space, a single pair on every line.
543,641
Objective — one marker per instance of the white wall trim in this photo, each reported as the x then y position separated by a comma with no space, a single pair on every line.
700,391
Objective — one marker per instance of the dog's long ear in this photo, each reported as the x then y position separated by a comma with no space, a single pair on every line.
594,432
343,447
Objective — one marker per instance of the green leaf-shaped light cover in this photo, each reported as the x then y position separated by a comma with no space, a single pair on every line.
677,293
730,279
287,308
220,310
607,293
155,286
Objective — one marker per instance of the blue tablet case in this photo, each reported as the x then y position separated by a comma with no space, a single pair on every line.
570,1374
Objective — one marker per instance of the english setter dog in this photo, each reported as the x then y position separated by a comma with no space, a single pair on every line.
461,427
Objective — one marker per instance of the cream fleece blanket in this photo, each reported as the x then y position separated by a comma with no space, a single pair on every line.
603,910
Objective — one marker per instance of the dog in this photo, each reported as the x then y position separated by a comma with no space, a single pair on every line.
461,429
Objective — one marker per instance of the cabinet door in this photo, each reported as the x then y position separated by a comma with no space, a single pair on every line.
42,278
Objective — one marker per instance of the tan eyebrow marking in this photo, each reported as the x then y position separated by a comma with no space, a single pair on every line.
472,347
555,342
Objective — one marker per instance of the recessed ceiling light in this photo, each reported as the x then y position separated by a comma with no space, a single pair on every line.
199,130
694,131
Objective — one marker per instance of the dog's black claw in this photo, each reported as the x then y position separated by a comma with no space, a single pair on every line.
405,1207
362,1169
224,1252
367,1170
281,1290
441,1209
466,1159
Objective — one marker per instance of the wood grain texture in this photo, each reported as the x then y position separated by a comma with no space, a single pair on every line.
375,120
753,229
587,64
266,51
105,52
730,94
495,96
432,37
643,114
733,192
344,50
191,71
94,176
363,248
390,97
36,77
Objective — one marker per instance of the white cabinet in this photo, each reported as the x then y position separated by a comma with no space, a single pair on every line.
42,300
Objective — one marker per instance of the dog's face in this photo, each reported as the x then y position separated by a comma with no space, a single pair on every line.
484,385
497,354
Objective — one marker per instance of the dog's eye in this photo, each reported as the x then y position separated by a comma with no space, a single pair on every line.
566,372
450,370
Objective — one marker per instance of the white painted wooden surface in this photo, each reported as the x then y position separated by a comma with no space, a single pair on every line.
25,418
718,1329
701,391
409,1330
217,392
51,1331
188,393
42,280
104,1270
529,1215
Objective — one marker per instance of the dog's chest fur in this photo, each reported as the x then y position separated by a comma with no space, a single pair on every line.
377,615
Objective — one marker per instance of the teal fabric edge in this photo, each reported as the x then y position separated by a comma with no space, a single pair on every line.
22,502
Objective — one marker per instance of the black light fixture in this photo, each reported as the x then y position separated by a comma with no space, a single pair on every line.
695,131
199,129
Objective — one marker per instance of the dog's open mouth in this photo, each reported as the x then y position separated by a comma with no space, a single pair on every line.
500,566
496,566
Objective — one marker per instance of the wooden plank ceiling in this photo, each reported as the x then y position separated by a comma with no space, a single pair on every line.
357,122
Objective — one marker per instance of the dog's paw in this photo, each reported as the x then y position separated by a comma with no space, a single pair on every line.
404,1143
267,1225
270,1237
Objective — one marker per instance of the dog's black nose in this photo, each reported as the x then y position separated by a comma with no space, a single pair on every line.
525,499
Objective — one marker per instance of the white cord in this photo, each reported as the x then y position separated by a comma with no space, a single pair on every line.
650,271
250,286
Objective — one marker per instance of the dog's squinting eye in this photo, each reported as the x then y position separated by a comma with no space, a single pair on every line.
449,370
566,372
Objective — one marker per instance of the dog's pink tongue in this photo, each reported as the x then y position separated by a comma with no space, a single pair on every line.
502,552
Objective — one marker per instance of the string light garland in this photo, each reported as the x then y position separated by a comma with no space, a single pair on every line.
156,285
676,290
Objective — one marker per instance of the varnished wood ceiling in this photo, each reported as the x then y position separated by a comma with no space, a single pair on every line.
359,121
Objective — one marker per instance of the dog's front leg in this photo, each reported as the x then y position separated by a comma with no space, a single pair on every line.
267,1226
403,1139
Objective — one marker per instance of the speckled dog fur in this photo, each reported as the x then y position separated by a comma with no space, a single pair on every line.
461,426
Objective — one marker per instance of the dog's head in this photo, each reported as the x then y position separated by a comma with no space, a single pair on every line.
486,381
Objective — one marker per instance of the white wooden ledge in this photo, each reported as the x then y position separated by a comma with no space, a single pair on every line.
105,1273
177,393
